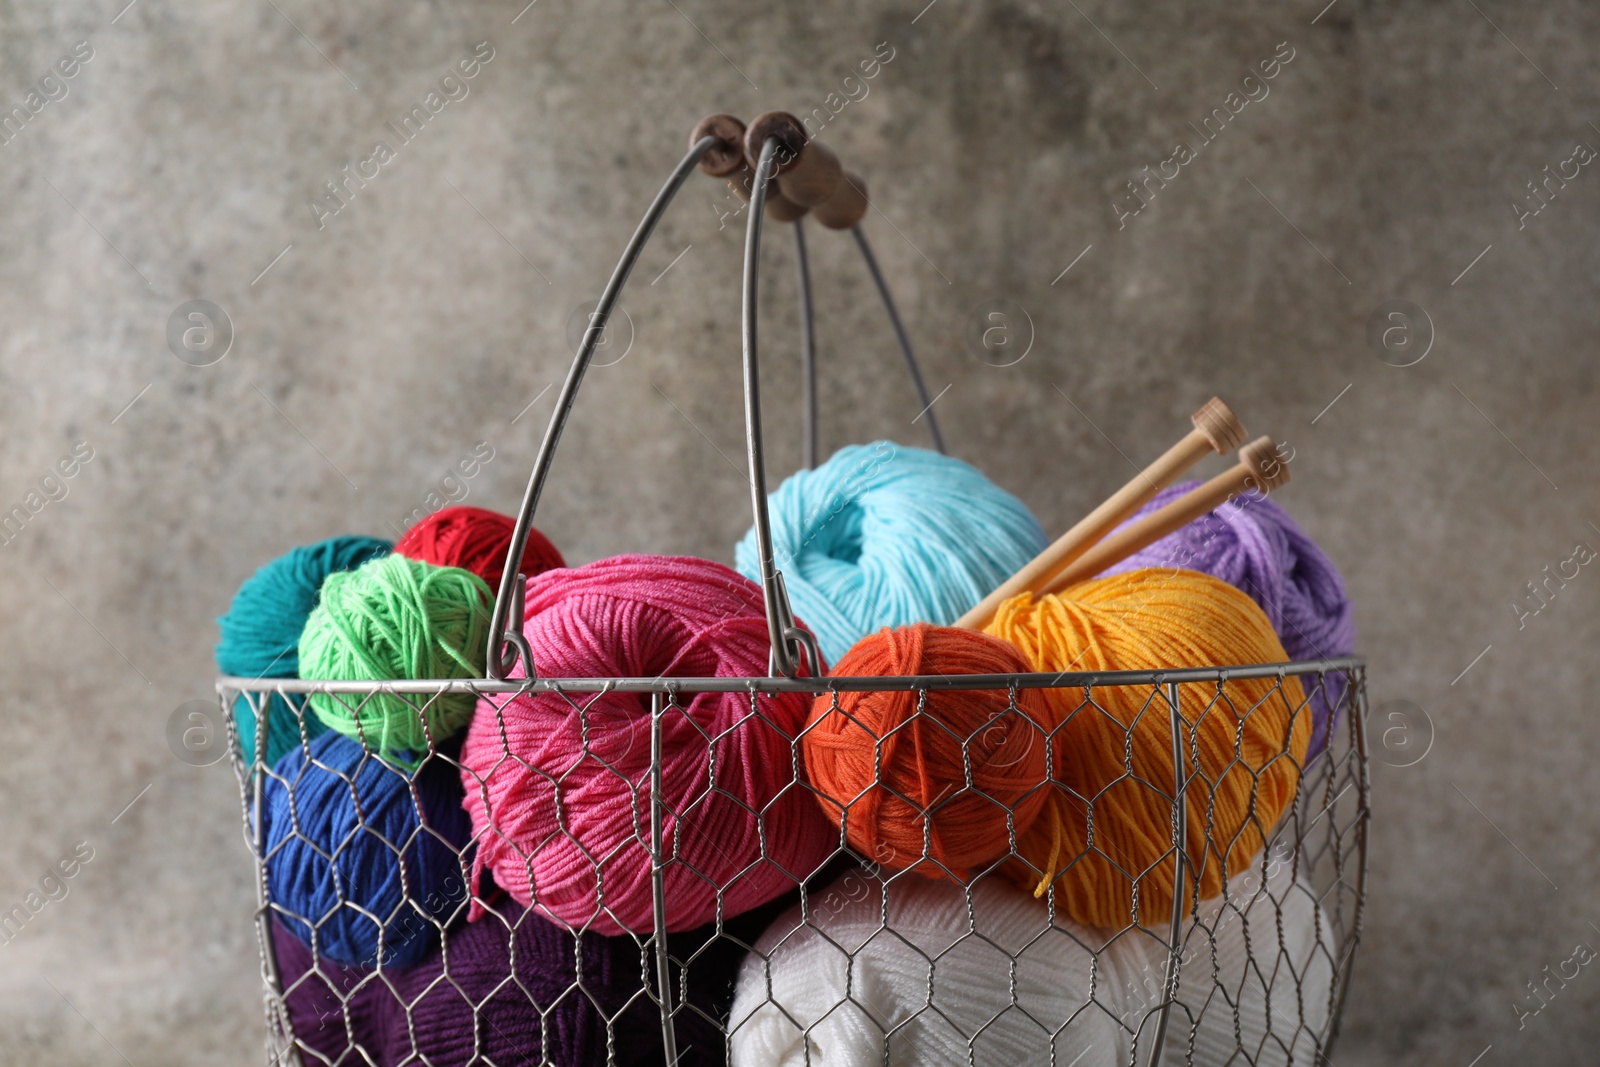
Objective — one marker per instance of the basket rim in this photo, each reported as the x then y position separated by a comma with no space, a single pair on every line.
827,683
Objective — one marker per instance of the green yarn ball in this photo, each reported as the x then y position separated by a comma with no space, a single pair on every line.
397,618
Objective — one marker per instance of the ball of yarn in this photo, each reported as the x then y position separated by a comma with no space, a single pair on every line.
326,1003
1253,544
397,618
351,866
891,767
1255,980
884,535
477,540
918,973
260,634
1245,743
514,988
559,786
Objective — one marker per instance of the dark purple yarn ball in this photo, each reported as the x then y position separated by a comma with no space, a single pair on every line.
462,1002
324,1003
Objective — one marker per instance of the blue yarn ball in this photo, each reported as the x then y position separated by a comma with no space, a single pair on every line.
350,863
885,535
261,633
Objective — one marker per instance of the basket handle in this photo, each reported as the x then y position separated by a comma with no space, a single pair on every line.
787,638
789,643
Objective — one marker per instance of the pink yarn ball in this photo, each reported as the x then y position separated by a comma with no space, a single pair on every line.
567,831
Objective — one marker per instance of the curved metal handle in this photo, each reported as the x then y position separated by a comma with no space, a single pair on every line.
506,643
787,639
902,337
808,348
508,598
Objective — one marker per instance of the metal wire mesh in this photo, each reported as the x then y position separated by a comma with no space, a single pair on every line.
862,944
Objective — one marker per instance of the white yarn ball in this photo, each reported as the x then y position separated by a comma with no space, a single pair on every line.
1252,940
927,979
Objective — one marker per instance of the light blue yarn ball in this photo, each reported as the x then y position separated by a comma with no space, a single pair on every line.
885,535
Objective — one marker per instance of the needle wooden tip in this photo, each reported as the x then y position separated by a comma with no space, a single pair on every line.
1220,425
1261,457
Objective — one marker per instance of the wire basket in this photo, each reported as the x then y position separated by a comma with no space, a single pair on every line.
890,970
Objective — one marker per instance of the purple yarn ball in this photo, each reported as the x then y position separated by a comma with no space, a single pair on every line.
479,1008
1255,546
316,998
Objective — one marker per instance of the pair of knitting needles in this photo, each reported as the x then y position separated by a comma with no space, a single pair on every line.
1085,551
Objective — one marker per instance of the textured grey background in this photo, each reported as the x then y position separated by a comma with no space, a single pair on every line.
379,349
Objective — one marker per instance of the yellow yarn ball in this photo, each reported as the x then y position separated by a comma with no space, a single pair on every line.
1111,760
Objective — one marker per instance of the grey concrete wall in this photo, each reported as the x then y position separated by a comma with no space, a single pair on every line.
429,312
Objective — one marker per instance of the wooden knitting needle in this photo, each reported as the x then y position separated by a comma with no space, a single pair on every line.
1216,429
1258,468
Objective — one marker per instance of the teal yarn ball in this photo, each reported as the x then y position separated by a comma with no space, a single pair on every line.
260,634
397,618
885,535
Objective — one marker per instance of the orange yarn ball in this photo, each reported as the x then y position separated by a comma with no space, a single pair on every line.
1243,743
896,776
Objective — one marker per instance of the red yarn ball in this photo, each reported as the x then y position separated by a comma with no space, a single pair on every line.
476,539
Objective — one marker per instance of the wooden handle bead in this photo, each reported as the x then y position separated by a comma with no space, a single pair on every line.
779,207
1217,429
727,155
814,178
740,181
846,207
791,135
807,172
1259,468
